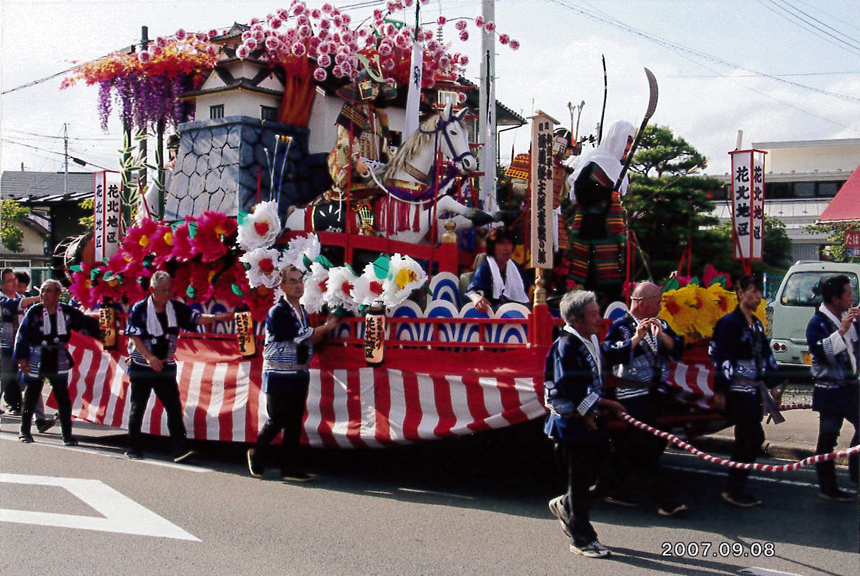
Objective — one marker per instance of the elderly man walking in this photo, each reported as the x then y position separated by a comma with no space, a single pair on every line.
574,394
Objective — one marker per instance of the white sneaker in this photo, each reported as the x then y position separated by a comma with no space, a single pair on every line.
591,550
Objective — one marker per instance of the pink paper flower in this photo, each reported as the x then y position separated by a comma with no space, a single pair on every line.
444,62
460,25
479,21
490,26
461,97
299,49
327,8
213,33
160,42
464,35
388,64
515,45
254,20
337,71
315,14
325,24
340,58
305,32
283,14
243,52
504,39
145,57
428,35
346,19
181,34
320,74
276,23
378,16
424,1
385,49
464,60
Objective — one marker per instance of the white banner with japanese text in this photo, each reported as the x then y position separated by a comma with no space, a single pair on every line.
748,204
107,208
542,225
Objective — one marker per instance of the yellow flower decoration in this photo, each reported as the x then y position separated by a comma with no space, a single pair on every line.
404,277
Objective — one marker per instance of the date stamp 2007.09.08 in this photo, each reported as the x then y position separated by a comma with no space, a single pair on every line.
718,550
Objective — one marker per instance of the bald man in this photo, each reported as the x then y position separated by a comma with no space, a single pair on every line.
638,346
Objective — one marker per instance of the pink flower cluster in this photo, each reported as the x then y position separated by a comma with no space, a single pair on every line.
485,25
326,37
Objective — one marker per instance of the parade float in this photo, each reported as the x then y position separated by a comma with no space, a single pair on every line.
308,158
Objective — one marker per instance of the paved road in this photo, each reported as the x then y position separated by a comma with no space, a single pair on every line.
471,506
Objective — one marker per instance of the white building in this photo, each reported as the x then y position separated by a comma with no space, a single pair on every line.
801,177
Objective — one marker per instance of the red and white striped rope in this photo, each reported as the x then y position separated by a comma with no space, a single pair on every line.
799,406
739,465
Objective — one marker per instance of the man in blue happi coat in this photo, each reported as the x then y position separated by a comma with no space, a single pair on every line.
573,382
833,341
639,346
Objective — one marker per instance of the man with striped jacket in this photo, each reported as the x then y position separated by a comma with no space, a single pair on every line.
833,341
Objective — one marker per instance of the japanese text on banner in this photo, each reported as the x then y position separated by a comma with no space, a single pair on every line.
542,217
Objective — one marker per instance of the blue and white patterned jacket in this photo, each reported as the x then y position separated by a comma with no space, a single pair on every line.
573,384
31,341
288,349
641,368
741,352
831,363
9,308
186,319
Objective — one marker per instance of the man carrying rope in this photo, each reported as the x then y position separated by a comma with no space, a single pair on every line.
573,388
835,348
639,346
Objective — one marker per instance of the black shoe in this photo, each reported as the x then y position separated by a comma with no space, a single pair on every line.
297,476
741,500
134,454
836,495
591,550
26,438
70,441
672,509
255,470
621,499
184,455
14,411
45,424
557,509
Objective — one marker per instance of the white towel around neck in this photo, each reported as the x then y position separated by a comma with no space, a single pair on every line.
512,288
46,322
153,326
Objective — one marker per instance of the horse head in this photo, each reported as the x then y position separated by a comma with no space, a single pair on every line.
455,139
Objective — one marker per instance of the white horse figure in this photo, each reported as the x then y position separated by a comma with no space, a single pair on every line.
410,181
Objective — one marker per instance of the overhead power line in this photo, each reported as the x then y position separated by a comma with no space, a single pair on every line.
679,49
805,24
72,158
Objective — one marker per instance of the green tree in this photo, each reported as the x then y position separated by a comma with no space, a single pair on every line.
88,222
668,208
11,235
836,239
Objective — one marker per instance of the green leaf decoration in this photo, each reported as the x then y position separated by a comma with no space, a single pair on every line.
242,217
246,265
671,284
324,262
427,290
237,290
190,291
695,280
381,267
94,273
306,261
76,268
721,280
192,229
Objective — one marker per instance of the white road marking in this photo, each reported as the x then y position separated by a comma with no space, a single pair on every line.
751,477
120,513
109,454
754,571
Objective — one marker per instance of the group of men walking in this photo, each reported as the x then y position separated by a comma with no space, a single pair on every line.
620,462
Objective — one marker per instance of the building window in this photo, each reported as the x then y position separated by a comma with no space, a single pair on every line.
827,189
268,113
216,111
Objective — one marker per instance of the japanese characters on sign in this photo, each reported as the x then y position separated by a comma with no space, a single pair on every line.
852,238
245,334
107,208
542,217
748,203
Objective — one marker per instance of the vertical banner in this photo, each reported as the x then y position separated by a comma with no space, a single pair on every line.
542,225
107,207
748,203
413,97
757,204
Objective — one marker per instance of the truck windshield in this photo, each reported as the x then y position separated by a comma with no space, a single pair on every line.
804,288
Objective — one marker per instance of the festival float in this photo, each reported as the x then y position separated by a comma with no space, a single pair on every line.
309,157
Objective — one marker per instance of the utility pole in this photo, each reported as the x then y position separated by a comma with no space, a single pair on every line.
66,159
487,108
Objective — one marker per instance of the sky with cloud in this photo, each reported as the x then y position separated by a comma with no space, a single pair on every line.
786,70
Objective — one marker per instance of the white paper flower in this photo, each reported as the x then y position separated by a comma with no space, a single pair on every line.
368,287
261,227
298,248
264,267
404,276
316,285
341,283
